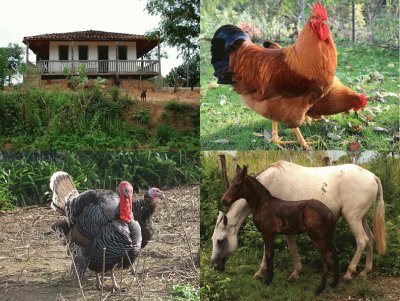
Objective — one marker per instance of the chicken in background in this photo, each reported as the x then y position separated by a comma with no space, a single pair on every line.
339,99
279,84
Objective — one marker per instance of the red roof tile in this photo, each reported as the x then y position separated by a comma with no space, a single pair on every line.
88,35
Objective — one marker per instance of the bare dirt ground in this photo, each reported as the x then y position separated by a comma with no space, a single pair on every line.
34,264
182,95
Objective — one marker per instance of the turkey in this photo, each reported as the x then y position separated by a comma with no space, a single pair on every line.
96,220
143,211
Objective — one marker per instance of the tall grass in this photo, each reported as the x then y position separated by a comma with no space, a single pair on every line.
24,176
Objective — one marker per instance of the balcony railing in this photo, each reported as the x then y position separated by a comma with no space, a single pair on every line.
105,67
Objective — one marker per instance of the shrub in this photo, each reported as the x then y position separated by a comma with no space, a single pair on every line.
178,107
142,116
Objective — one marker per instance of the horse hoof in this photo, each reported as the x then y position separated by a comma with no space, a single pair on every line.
319,291
292,277
257,276
363,274
347,277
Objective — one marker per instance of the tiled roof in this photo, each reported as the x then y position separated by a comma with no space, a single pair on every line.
88,35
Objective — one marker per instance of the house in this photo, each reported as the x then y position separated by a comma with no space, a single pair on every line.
105,54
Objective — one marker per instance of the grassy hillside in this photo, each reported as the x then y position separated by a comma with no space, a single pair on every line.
39,119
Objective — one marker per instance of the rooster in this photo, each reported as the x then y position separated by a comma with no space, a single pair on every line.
339,99
99,225
279,84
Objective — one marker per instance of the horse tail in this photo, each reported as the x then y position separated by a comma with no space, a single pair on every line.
379,220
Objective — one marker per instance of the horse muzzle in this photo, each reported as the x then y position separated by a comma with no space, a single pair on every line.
218,266
226,201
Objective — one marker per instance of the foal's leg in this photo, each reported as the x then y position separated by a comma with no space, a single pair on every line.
291,240
333,260
323,249
269,254
362,240
262,269
370,249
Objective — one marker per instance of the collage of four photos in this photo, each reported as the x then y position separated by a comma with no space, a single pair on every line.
200,150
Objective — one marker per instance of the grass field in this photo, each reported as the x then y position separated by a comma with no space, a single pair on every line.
237,282
226,123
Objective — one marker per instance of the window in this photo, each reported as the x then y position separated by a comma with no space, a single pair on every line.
63,52
83,52
122,53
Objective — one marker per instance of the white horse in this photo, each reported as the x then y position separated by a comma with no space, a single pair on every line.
347,190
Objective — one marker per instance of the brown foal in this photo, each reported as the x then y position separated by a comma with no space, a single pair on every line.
274,216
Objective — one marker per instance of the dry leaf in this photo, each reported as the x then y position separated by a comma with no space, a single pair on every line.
380,129
353,146
334,136
222,141
258,134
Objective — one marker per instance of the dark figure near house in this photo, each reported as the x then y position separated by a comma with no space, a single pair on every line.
143,95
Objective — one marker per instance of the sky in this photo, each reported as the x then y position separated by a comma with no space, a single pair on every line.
20,18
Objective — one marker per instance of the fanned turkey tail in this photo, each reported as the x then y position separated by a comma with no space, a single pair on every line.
226,39
63,189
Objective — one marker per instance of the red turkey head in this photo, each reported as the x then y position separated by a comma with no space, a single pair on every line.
155,194
125,201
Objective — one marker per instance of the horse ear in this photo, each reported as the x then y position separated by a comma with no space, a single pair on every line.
225,220
238,169
244,170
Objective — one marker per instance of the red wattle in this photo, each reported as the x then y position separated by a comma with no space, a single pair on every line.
125,212
323,32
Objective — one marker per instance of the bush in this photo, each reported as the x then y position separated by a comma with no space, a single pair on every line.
142,116
178,107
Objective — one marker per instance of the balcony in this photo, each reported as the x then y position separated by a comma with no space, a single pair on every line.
101,67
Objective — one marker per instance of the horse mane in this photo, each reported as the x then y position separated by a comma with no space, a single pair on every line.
259,185
277,164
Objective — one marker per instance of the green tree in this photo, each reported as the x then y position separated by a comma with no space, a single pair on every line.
3,66
179,26
180,22
10,63
178,74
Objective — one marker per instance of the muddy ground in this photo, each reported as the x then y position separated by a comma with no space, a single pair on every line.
34,264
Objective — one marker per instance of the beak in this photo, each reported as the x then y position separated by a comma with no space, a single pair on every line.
162,195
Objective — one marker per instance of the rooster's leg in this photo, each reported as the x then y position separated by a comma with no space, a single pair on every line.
300,138
275,138
115,287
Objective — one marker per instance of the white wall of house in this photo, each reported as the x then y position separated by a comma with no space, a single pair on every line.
92,49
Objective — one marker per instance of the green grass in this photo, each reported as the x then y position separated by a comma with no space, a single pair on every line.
244,129
237,282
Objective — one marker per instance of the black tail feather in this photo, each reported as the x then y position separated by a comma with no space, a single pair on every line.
225,39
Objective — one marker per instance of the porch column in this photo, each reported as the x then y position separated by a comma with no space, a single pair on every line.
159,63
27,53
116,63
72,56
159,58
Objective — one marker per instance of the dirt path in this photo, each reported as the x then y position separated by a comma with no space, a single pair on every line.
182,95
34,264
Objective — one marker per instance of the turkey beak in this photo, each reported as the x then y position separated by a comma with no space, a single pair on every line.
161,195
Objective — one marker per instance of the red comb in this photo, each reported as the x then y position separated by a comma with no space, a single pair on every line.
364,99
318,9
